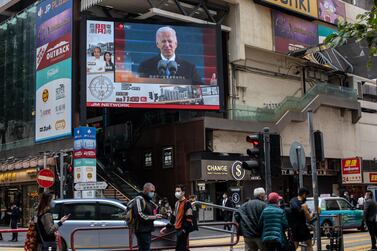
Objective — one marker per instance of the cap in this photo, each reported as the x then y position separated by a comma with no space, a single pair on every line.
274,198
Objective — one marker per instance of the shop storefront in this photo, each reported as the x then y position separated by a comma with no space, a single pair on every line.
18,184
212,175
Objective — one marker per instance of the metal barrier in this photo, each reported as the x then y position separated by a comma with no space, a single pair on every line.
164,237
18,230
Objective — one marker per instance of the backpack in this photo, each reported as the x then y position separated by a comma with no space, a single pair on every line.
130,215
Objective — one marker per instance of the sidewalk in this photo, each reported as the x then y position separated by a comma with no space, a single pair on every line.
8,236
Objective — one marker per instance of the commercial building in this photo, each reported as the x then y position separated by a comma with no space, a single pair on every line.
189,134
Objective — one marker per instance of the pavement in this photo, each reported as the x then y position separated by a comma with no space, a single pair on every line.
8,236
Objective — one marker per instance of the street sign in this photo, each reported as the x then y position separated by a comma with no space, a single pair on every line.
46,178
297,156
90,186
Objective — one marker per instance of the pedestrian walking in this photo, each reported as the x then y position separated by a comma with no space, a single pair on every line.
298,216
248,216
144,217
195,212
353,200
45,224
14,217
227,215
370,210
182,219
273,223
360,202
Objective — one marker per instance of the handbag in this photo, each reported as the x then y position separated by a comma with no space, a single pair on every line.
46,245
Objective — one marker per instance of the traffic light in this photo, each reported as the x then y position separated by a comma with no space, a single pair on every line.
318,145
256,154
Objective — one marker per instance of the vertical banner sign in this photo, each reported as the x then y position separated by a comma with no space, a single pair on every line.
351,171
54,70
84,153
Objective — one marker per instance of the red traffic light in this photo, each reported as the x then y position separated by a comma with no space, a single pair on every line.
254,139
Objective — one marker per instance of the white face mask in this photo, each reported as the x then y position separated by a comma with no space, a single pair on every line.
178,195
224,196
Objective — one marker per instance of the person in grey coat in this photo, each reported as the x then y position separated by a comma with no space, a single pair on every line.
370,210
248,216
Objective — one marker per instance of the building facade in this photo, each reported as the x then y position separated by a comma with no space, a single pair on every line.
264,85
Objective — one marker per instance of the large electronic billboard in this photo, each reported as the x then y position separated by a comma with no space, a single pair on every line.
140,65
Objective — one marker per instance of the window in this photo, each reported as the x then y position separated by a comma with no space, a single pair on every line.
80,211
344,205
110,212
167,157
148,160
56,211
332,205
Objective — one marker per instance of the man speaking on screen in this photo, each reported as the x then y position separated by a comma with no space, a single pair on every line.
168,64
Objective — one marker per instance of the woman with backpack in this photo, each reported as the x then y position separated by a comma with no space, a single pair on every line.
273,223
45,224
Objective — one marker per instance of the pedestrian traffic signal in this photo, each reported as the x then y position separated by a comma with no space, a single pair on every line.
256,154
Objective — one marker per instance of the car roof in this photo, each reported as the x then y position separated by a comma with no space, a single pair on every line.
324,198
87,200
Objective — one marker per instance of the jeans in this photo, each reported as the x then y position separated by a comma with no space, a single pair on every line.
182,238
144,241
253,244
372,232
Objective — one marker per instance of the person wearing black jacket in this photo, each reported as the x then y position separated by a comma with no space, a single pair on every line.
248,216
182,219
14,216
143,211
370,210
227,215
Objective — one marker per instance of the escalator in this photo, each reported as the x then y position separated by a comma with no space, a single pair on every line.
123,185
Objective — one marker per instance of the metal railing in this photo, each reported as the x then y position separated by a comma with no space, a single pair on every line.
167,237
291,103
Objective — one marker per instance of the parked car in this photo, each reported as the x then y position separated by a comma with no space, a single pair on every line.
330,206
91,213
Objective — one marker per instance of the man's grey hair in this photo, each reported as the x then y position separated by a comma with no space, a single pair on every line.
147,185
258,191
166,29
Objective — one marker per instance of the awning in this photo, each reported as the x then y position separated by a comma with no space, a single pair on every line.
86,4
9,165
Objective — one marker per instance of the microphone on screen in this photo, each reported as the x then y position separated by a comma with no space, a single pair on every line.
161,67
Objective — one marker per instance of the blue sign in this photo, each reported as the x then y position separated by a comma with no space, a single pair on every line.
51,8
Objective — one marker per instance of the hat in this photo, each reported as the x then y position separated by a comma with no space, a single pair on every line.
274,198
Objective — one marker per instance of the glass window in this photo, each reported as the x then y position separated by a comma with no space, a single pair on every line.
56,211
148,160
167,157
110,212
344,205
332,205
17,79
80,211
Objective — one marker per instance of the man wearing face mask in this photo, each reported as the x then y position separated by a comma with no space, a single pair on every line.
297,218
182,219
370,211
227,215
143,208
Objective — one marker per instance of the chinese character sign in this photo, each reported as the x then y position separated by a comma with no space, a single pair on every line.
351,171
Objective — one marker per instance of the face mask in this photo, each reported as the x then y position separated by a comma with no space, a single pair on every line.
178,195
151,195
224,196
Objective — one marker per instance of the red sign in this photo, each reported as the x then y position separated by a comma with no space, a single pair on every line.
351,166
46,178
372,177
84,153
54,52
351,171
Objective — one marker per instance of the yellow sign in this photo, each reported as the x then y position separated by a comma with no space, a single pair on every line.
305,7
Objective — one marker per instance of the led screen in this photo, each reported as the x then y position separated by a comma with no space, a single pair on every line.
139,65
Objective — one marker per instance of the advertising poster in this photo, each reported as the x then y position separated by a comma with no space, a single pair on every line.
370,177
323,32
292,33
53,101
84,143
54,70
351,171
332,11
85,170
152,66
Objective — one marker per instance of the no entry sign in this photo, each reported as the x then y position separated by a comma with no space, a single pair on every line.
46,178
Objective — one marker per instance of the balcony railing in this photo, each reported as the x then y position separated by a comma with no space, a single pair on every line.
291,103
